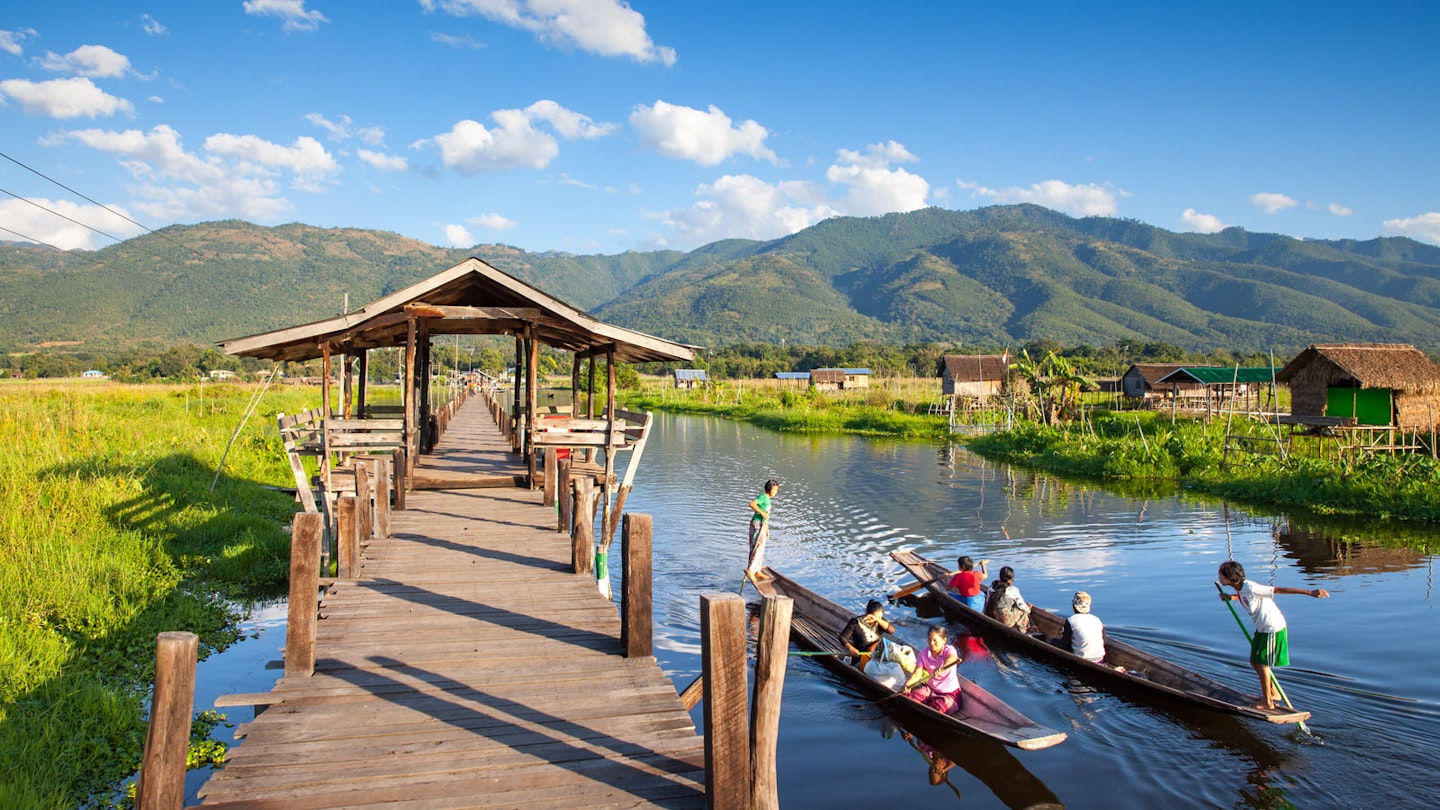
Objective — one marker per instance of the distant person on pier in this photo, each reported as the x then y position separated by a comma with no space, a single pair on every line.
1270,646
1005,604
861,635
760,530
938,663
967,582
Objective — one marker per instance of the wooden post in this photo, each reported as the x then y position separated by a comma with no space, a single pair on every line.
635,610
590,398
325,379
347,549
727,722
162,770
347,387
532,400
550,467
364,516
362,382
565,494
427,437
402,478
411,409
305,531
582,538
383,465
770,655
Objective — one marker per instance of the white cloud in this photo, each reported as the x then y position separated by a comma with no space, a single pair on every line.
470,147
64,98
1192,220
10,40
172,184
457,41
306,158
1425,227
743,206
1340,211
457,236
382,161
96,61
291,11
345,129
152,26
34,222
604,27
705,137
1086,200
874,187
1272,203
493,222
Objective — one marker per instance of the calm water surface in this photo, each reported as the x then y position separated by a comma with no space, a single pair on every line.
1363,661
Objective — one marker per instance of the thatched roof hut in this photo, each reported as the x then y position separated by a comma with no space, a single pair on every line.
976,375
1373,383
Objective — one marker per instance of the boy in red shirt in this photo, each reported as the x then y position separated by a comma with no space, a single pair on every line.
967,581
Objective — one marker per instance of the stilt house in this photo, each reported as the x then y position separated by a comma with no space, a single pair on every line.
973,375
1379,384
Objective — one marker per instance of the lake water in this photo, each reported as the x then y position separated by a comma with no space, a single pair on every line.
1363,661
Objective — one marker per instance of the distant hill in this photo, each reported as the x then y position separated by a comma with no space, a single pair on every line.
990,276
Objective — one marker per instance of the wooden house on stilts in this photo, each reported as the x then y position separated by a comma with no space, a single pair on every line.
1364,385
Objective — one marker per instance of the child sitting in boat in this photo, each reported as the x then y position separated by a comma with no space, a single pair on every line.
861,635
1084,632
967,581
1005,604
938,663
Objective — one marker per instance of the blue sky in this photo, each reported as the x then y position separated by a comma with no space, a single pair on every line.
597,126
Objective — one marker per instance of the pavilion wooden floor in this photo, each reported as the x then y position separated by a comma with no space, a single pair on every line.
468,667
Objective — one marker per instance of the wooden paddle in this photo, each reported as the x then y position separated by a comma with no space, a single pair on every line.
906,591
1274,680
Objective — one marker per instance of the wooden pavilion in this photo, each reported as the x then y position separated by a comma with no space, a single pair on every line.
471,298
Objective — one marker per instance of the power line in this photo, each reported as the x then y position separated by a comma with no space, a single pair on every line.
39,173
96,230
74,253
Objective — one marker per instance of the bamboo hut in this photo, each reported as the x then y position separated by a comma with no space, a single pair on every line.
973,375
1376,384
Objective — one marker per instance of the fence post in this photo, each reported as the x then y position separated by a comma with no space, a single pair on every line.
167,740
305,532
635,619
550,459
399,472
347,539
382,496
565,495
365,518
771,652
727,743
582,537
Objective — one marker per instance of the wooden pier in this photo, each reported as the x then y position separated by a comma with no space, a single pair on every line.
467,666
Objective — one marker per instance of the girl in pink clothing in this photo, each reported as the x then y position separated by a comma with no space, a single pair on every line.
938,659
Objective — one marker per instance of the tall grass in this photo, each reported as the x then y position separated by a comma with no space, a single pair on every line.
109,534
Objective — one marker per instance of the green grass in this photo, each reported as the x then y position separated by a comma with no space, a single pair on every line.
109,534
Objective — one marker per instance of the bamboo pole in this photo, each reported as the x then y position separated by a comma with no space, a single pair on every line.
770,658
167,740
306,530
727,739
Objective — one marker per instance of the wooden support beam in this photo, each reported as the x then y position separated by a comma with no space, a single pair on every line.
412,409
382,466
402,477
565,494
363,380
771,652
582,539
551,454
635,609
727,718
364,508
167,740
532,401
306,529
421,309
347,552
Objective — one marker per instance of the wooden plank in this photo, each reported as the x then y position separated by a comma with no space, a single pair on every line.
727,747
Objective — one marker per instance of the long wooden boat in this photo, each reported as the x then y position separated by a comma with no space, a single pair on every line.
815,625
1145,671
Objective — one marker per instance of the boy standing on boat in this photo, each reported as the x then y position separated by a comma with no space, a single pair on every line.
760,529
1270,646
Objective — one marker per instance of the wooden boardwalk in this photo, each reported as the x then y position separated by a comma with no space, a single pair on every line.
468,667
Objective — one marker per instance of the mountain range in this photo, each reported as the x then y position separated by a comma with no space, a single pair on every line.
985,277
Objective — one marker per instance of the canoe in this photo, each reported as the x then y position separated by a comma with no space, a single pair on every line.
815,625
1145,671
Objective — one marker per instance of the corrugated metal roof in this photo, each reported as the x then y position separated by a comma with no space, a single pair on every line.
1210,375
690,374
857,371
792,375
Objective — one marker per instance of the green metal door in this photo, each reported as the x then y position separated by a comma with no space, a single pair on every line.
1369,406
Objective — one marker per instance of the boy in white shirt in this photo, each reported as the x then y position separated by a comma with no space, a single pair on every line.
1270,647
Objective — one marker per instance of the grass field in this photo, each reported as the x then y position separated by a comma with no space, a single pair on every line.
109,534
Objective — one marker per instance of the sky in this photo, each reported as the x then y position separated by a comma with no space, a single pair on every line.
600,126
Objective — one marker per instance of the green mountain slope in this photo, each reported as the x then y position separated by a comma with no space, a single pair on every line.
991,276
